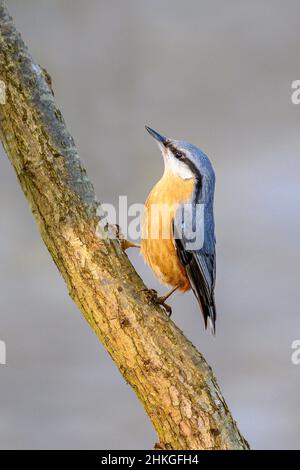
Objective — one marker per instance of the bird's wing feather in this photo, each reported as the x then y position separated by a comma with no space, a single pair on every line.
200,266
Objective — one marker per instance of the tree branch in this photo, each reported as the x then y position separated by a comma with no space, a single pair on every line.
170,377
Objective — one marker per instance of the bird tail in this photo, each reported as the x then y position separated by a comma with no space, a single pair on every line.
212,319
209,313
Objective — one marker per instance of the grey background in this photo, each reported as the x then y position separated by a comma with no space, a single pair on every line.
217,74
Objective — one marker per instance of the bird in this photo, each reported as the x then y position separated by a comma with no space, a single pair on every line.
188,181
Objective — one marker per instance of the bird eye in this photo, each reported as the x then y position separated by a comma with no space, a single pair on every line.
179,155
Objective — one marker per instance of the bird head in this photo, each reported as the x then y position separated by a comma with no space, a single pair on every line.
183,159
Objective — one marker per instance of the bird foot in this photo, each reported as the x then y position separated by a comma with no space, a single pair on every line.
158,300
125,244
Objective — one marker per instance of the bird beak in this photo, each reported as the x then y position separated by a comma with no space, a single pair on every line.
161,139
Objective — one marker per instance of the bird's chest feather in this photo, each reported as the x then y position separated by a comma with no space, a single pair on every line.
157,245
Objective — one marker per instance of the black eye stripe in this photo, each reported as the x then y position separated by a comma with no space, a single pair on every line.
183,158
192,167
177,153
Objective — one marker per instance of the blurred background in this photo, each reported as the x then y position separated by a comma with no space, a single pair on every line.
219,75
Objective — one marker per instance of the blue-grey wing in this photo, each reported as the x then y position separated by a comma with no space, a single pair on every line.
195,245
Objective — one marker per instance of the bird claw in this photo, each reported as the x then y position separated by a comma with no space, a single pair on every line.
158,300
125,244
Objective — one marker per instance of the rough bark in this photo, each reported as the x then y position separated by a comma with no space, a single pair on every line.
169,376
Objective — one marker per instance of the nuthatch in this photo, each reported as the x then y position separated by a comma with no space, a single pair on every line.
188,181
188,178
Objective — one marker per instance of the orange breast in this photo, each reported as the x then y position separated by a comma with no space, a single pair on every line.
157,245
